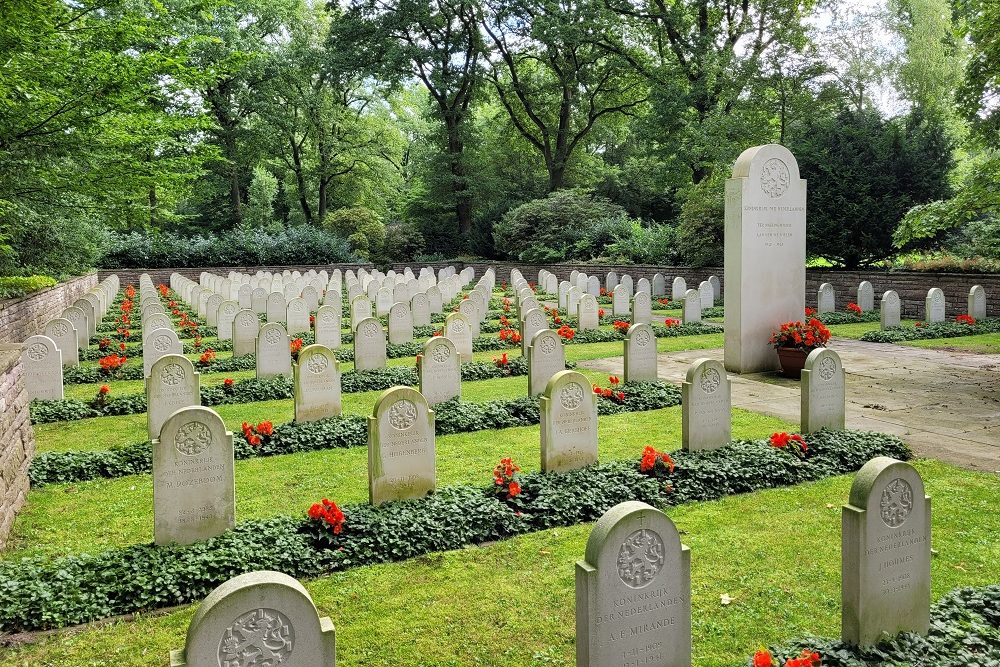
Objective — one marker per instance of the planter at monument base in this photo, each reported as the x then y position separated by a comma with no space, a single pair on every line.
792,359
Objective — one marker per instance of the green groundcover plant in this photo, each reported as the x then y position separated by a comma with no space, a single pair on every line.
935,330
40,592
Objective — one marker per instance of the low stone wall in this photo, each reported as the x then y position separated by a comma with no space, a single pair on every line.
17,441
26,316
158,276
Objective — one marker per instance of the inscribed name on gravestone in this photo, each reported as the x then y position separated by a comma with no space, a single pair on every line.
317,384
640,354
633,592
765,255
258,619
42,363
172,384
369,345
934,305
246,325
401,461
977,303
568,410
63,334
885,554
194,496
889,310
546,357
273,353
328,326
706,406
823,391
439,371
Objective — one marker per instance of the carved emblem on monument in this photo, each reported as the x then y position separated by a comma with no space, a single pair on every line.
710,380
827,368
402,415
774,178
260,638
896,502
192,438
640,558
571,396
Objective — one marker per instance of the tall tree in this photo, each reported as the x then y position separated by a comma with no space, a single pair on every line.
436,41
554,77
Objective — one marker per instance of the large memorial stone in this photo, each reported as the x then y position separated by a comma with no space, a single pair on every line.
765,255
316,384
369,345
889,310
823,392
866,296
194,494
977,304
706,406
678,289
42,363
568,410
588,313
642,308
826,301
297,316
328,325
258,619
458,330
885,554
157,343
546,357
172,384
439,371
63,334
691,314
401,461
633,592
934,305
641,364
274,356
246,325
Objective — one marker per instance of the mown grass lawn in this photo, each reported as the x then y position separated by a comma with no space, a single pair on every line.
116,512
980,344
775,552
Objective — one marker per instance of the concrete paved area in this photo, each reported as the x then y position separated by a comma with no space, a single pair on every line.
944,404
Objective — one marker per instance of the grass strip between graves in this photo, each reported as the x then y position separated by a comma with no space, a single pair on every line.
344,431
38,593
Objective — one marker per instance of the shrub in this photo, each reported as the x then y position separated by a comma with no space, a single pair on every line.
12,287
701,225
362,227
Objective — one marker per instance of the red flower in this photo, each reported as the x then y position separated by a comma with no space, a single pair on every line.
620,396
763,658
228,382
809,313
613,379
104,390
255,440
104,343
265,428
780,440
965,319
597,389
600,312
504,476
121,347
672,322
327,512
514,489
621,326
207,357
854,308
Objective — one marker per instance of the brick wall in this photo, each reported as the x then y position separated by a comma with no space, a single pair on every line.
20,318
131,276
17,441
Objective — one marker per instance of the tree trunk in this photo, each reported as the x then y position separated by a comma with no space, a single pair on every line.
459,182
300,181
152,205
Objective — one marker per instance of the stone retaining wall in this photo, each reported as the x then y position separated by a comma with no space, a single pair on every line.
26,316
131,276
17,441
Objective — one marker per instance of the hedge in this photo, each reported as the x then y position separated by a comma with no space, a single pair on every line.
934,330
13,287
964,632
849,317
40,592
345,431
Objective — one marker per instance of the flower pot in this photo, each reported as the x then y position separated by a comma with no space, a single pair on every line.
793,360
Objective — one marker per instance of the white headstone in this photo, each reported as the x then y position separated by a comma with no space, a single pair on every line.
587,313
327,326
194,495
568,410
42,363
885,554
246,325
361,308
977,303
765,255
678,289
316,384
276,306
227,313
620,301
439,371
420,309
866,296
63,334
641,363
659,285
401,462
369,345
400,324
172,384
534,320
642,308
706,406
691,313
716,288
157,343
458,329
707,295
546,357
274,357
633,592
611,281
258,300
297,316
823,391
825,299
78,319
934,305
644,286
890,307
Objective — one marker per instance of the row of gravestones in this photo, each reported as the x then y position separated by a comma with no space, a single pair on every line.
43,356
890,305
633,587
657,287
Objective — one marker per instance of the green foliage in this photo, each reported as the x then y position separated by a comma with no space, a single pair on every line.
40,593
263,189
701,227
362,228
237,247
12,287
864,173
964,631
849,317
557,228
935,330
978,94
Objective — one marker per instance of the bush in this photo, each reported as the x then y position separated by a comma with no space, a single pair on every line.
362,227
557,228
12,287
935,330
57,242
44,592
237,247
403,243
702,222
